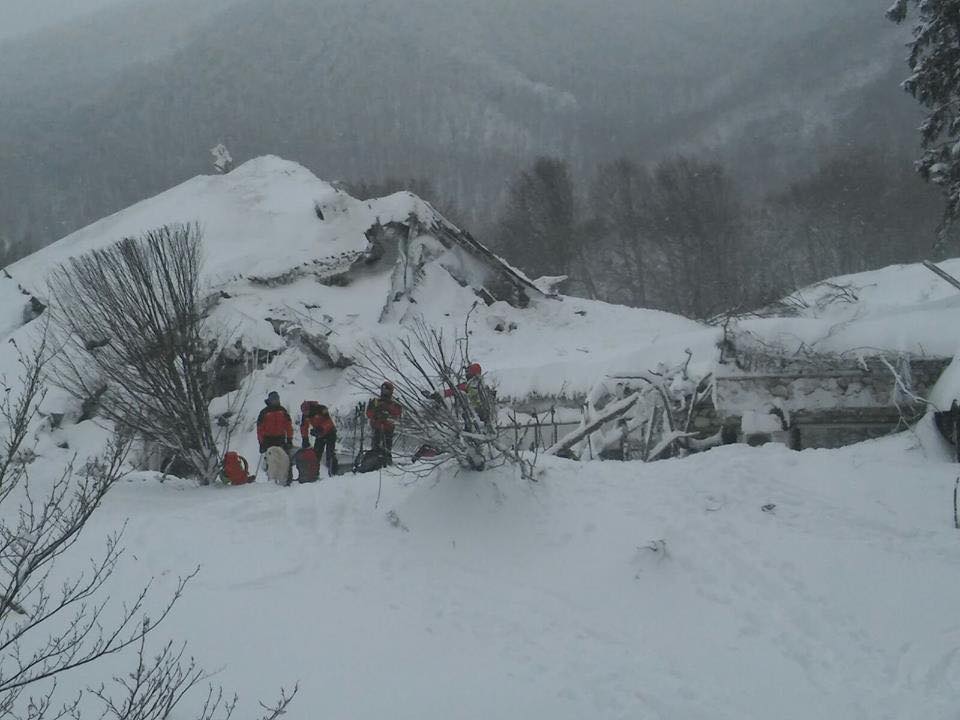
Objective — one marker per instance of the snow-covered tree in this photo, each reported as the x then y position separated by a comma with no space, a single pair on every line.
935,83
442,408
222,160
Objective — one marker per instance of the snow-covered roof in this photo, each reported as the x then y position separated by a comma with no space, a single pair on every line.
897,309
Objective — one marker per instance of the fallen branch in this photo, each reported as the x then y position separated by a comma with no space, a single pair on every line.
611,412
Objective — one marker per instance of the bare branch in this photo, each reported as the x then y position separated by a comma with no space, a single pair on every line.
131,322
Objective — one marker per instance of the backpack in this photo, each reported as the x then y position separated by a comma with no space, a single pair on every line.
425,451
308,465
369,461
235,469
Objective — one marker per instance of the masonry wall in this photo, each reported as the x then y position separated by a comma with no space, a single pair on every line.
829,405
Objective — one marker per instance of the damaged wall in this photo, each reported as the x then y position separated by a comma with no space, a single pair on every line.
828,402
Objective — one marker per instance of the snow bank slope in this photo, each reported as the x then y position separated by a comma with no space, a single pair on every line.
901,308
257,220
486,597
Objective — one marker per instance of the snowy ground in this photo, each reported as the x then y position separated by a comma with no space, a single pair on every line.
490,597
605,590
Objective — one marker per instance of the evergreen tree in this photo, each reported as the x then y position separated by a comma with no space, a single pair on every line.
935,83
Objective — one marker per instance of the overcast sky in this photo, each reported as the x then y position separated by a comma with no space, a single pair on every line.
23,16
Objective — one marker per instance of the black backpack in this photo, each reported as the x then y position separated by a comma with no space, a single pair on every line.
369,461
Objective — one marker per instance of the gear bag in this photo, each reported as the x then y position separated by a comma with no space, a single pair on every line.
370,460
235,470
308,465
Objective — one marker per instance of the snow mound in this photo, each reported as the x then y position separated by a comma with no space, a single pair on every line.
900,309
258,220
605,590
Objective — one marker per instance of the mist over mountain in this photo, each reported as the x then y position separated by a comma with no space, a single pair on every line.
107,110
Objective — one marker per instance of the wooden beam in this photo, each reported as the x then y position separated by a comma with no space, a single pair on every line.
942,274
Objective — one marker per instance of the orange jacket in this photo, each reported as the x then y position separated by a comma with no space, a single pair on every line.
274,422
321,425
382,413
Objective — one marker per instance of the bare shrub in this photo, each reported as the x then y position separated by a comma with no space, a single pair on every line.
427,370
130,322
51,625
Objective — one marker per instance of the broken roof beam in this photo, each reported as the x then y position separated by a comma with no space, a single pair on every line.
942,274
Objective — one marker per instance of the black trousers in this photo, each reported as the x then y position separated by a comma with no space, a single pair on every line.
328,444
383,439
270,441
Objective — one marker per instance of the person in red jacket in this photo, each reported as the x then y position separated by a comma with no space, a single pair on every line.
473,389
274,427
315,420
383,413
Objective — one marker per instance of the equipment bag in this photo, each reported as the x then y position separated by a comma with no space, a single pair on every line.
308,465
369,461
236,470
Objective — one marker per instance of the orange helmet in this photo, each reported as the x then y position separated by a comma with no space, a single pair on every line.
474,370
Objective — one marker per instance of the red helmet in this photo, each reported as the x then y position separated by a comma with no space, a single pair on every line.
474,370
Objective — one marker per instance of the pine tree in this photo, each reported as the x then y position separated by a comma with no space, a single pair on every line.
935,83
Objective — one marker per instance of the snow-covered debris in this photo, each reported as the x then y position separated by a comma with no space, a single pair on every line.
900,308
367,269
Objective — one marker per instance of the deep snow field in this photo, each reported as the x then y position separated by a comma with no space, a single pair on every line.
483,596
742,583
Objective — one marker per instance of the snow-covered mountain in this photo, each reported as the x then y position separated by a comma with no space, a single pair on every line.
741,583
461,93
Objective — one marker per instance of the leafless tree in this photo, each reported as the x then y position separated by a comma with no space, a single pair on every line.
158,684
50,624
130,320
427,370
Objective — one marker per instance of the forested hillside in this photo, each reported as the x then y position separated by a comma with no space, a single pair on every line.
456,98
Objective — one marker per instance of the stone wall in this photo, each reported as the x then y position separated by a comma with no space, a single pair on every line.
828,402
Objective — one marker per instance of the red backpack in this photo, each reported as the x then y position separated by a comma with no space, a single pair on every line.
308,465
235,469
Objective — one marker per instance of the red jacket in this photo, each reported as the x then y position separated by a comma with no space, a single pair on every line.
470,388
382,413
462,387
322,425
274,422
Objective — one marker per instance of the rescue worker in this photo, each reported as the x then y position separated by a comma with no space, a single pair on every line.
383,413
274,427
316,421
472,387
